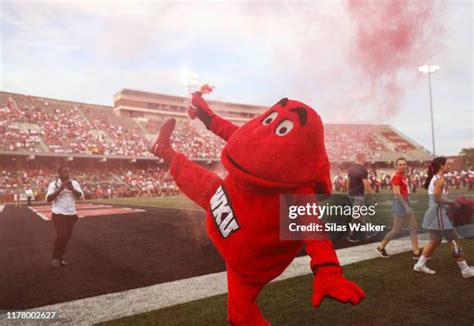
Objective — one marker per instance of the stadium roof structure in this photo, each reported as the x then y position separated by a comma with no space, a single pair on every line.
147,102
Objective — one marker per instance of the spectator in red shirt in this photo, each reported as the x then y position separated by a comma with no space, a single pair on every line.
402,211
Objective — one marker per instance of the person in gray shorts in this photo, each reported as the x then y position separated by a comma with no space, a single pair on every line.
437,222
402,211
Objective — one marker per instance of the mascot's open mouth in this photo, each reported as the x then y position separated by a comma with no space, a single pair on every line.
234,163
239,166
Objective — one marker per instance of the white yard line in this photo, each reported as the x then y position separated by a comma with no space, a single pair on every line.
131,210
44,217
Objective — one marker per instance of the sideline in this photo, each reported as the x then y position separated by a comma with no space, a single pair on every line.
131,302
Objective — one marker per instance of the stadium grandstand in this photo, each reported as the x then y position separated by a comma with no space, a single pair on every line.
42,125
107,146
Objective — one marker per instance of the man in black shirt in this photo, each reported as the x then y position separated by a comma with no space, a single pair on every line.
358,185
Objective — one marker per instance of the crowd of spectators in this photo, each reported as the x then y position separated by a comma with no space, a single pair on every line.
95,182
343,142
81,129
397,143
61,126
151,181
156,181
18,180
118,136
381,180
15,135
133,181
35,124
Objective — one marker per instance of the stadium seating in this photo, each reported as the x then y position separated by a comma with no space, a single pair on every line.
34,124
40,126
47,126
95,182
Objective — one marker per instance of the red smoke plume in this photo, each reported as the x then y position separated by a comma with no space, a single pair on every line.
391,37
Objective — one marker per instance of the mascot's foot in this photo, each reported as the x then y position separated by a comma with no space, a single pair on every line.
161,144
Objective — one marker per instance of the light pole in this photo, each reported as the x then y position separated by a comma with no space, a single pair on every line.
189,78
429,69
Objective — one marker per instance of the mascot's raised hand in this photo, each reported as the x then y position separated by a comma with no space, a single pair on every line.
202,110
199,107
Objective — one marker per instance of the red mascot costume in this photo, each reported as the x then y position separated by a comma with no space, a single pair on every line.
281,151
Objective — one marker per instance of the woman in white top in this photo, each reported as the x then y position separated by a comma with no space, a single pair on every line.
437,222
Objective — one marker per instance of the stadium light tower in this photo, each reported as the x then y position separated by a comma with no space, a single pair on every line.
429,69
189,78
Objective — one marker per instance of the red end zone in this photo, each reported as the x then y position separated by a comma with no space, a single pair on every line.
85,210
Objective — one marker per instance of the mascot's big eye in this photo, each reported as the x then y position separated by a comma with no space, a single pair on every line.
284,127
269,118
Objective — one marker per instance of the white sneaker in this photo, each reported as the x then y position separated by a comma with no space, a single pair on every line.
468,272
56,263
423,269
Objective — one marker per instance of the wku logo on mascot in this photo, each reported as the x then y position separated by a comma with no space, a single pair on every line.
280,151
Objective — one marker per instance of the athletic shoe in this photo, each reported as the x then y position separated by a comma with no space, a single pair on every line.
162,139
65,262
56,263
382,253
350,239
468,272
423,269
416,257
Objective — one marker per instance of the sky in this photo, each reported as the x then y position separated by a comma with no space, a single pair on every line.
353,61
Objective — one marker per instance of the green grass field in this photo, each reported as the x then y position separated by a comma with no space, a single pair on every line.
383,210
396,295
